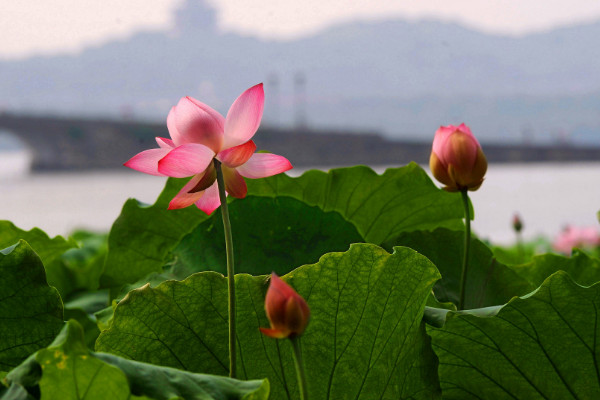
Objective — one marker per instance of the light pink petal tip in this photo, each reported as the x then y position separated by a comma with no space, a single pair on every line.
173,132
209,201
439,140
195,122
164,143
244,116
261,165
147,161
464,128
186,160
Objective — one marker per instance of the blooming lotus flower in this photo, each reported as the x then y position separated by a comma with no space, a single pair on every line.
456,159
287,310
571,237
200,134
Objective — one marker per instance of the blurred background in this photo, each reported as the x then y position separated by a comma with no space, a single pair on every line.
86,85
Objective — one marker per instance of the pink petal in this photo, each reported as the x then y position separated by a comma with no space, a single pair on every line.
195,122
173,132
209,201
464,128
244,117
439,140
147,161
237,155
459,150
165,143
281,291
235,185
261,165
186,160
184,198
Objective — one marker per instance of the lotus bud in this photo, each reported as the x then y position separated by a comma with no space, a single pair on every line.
517,223
287,311
456,159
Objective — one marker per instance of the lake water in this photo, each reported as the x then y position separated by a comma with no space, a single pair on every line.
547,196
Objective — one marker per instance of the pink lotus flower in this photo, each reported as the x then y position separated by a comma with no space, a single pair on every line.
572,237
200,134
456,159
287,311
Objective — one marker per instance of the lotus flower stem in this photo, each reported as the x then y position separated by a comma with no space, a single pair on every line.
295,340
463,275
230,268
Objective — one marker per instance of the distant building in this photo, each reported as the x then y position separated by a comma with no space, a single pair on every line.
194,16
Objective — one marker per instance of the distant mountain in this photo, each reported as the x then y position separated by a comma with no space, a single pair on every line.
404,78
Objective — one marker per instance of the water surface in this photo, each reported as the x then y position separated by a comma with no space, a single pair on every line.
547,196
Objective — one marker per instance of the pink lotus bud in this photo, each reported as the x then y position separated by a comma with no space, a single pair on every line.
517,223
456,159
287,310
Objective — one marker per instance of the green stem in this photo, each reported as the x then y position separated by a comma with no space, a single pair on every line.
463,275
520,249
230,269
298,362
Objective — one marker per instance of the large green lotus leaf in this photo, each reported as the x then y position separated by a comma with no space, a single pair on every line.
489,282
364,340
541,346
380,206
142,237
49,250
66,370
584,269
31,312
422,381
271,234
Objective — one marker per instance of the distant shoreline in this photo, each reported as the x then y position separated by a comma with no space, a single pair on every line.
63,144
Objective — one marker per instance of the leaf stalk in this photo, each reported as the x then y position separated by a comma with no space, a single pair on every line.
299,363
467,246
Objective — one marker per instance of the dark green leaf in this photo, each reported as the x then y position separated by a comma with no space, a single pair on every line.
88,324
541,346
271,234
364,339
380,206
488,281
31,311
49,250
584,269
84,265
66,370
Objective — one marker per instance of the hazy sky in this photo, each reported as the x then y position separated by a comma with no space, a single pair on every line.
49,26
